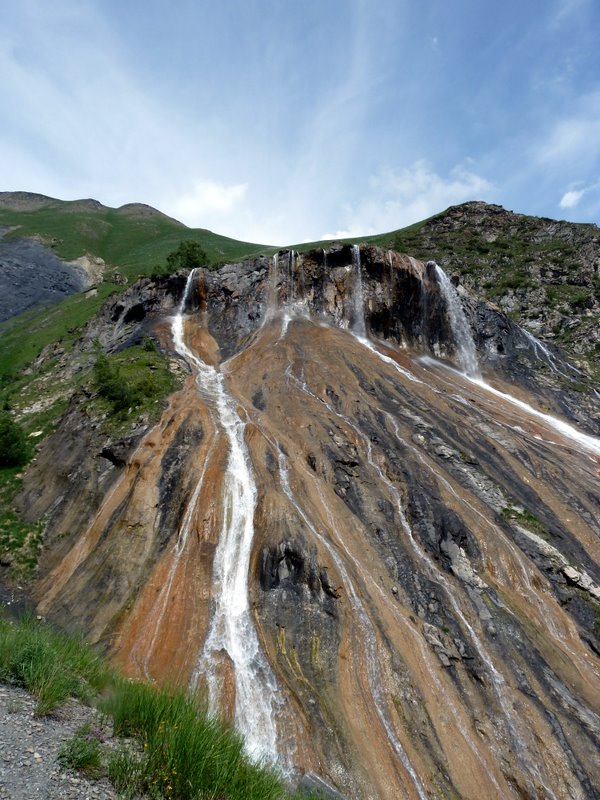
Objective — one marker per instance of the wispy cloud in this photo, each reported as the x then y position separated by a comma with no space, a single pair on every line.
400,197
571,198
575,138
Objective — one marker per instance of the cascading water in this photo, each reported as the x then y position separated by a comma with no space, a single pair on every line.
584,440
231,629
358,322
544,354
465,346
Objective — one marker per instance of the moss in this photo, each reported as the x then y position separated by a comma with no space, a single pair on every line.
526,519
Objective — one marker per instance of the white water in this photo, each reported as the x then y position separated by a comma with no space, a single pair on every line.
358,321
293,306
465,347
547,355
589,443
231,629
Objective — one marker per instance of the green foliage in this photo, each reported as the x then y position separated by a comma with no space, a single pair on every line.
14,447
82,752
136,378
125,771
189,255
186,754
20,540
51,665
526,519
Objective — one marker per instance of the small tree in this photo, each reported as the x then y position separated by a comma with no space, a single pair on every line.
189,255
14,447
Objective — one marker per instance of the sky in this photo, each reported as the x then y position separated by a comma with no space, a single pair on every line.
280,122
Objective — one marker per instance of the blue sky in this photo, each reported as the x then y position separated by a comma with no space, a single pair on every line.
278,121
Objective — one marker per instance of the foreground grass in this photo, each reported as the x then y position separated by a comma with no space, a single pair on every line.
170,748
50,665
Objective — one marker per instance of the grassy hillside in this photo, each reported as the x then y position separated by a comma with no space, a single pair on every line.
132,239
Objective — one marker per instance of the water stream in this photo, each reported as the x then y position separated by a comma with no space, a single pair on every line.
231,629
358,321
543,353
465,347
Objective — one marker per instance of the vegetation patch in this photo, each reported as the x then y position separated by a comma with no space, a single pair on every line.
133,381
20,540
526,519
83,751
169,747
50,665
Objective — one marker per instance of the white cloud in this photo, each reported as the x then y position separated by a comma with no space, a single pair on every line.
207,200
397,198
575,138
564,9
571,198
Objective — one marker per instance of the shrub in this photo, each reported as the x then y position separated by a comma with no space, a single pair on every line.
112,386
189,255
14,447
82,752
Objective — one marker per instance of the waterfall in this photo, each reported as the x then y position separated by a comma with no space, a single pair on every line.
463,340
358,321
589,443
231,629
545,354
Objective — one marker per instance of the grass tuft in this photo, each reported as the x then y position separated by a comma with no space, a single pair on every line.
50,665
170,747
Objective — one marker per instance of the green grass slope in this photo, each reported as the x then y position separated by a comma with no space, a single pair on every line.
133,239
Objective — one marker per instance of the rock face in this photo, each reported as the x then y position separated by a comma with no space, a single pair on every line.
32,275
542,271
423,573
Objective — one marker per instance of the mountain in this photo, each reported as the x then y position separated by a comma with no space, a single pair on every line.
365,524
543,273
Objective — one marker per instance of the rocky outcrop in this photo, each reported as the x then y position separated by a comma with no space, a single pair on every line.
424,573
32,275
545,273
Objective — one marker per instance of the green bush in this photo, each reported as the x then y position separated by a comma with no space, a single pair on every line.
111,385
135,378
189,255
14,447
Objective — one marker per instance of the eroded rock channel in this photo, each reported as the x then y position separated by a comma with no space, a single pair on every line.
409,604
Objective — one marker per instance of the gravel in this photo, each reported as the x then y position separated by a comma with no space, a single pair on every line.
29,746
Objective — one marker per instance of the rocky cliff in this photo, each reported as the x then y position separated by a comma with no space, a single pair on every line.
545,273
366,528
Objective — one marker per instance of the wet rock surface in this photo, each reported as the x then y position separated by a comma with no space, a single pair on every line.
424,573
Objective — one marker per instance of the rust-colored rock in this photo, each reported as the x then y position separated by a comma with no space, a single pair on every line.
416,537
